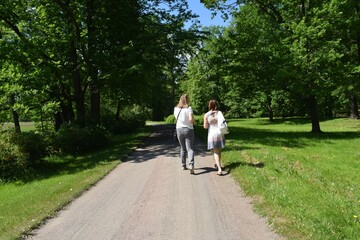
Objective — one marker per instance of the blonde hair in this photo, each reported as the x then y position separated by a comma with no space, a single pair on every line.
183,101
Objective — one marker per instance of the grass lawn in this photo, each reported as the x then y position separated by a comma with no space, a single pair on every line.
24,205
25,126
308,185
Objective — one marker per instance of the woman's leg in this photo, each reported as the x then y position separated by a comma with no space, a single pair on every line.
181,138
189,142
217,157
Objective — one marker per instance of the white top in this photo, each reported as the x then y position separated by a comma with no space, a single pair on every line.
215,119
183,119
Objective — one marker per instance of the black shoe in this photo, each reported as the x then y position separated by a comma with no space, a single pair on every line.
184,168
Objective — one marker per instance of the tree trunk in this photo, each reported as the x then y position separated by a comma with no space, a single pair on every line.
65,116
269,108
94,87
95,103
329,107
315,124
354,108
15,114
58,121
78,96
117,114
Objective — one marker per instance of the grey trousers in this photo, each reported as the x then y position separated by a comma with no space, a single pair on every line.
186,140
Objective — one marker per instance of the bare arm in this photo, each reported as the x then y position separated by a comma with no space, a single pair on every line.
191,118
206,124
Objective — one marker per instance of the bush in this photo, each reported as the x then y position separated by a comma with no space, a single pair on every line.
198,120
71,139
13,160
123,126
32,144
171,119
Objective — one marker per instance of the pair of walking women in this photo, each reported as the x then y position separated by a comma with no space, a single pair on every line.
185,132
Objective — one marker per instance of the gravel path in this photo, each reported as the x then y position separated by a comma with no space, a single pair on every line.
150,197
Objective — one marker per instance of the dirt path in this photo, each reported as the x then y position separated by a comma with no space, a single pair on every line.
151,197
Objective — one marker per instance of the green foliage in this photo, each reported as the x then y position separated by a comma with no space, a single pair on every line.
13,160
123,126
198,120
280,58
71,139
171,119
52,51
31,143
131,118
20,153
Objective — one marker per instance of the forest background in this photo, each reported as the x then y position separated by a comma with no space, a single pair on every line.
84,71
98,66
110,65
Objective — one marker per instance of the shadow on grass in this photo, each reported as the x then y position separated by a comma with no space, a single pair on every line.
287,138
278,121
234,165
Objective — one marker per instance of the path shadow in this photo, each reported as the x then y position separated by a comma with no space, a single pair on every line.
161,142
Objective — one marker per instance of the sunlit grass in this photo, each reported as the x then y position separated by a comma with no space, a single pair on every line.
25,126
306,184
24,205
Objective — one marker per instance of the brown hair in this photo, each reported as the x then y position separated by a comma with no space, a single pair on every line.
212,105
183,101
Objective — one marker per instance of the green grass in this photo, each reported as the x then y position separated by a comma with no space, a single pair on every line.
24,205
25,126
306,184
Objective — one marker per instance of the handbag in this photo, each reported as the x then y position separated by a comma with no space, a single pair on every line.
224,128
175,133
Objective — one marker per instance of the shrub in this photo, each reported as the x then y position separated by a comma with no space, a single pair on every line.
32,144
198,120
170,119
131,118
71,139
123,126
13,160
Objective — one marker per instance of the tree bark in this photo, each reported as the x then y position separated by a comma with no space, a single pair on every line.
15,115
315,124
117,114
269,108
78,95
94,86
354,108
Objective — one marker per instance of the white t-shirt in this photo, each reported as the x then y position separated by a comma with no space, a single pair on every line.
183,119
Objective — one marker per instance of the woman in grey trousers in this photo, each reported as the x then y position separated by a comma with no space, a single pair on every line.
185,131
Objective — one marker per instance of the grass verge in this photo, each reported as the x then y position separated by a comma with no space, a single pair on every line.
307,185
25,205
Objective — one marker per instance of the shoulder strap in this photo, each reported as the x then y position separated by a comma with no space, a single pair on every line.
178,114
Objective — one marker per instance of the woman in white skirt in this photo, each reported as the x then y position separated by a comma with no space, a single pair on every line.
216,140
